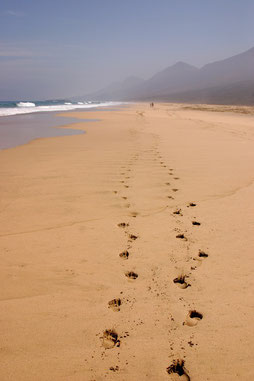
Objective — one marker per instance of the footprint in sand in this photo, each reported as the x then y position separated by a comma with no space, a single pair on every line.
114,368
133,237
175,190
181,282
191,204
123,225
110,339
202,254
181,236
196,223
178,211
131,275
124,198
124,254
177,367
193,318
115,304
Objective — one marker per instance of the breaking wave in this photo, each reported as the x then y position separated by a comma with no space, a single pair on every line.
26,104
16,108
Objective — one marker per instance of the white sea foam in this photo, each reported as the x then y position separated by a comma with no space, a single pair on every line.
26,104
29,107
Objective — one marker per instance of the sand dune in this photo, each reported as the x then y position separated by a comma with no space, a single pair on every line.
127,252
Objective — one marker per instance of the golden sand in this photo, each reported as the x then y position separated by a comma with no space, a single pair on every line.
127,252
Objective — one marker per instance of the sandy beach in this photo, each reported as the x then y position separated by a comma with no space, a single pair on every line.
127,251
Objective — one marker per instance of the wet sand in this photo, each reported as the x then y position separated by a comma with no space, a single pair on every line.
21,129
127,252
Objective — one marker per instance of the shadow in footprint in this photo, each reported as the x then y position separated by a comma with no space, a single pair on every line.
178,211
177,367
133,237
196,223
110,339
115,304
181,282
193,318
124,254
199,259
181,236
131,275
114,368
191,204
122,225
202,254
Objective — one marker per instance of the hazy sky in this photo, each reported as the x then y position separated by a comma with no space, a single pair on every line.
61,48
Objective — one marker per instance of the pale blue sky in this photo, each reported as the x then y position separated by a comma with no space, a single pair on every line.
53,48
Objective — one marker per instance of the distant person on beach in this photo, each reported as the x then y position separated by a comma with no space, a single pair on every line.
151,104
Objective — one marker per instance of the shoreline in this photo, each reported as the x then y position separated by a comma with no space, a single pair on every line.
247,110
18,130
46,121
70,209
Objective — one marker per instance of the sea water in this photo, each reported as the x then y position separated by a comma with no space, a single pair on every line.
27,107
21,129
23,121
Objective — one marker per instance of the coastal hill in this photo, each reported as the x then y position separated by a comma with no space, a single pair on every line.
230,81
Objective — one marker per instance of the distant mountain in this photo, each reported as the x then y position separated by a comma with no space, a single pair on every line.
239,93
231,70
115,91
230,81
176,77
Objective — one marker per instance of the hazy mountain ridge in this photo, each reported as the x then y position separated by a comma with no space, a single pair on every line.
239,93
229,81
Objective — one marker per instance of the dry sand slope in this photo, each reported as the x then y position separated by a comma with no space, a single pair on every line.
127,252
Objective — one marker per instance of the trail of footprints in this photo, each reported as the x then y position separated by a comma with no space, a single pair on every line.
110,338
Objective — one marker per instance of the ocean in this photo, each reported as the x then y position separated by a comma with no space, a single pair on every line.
27,107
21,122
